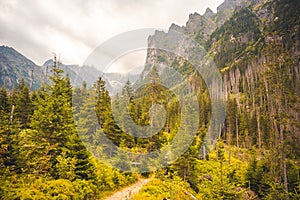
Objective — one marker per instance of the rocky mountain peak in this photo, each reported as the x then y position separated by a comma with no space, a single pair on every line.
48,63
229,4
177,28
197,27
192,24
9,54
197,23
14,67
208,13
156,38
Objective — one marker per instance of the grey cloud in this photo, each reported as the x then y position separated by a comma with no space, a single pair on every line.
37,28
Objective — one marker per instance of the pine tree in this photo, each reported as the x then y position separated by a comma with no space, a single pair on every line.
22,104
53,117
4,105
127,90
281,101
4,127
221,158
53,120
154,88
103,109
102,101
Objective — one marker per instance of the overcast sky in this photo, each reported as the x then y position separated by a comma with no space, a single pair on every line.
74,28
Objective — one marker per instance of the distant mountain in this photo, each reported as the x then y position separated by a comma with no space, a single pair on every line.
76,73
14,67
79,74
117,81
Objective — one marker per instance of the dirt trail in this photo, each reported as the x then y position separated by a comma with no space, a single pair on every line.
128,192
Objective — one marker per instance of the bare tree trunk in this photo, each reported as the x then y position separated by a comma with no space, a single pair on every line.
11,114
285,182
204,152
237,131
259,134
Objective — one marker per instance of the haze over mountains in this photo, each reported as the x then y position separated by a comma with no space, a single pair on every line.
14,67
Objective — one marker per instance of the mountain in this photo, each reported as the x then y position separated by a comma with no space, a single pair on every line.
198,28
255,46
76,73
257,52
235,43
79,74
14,67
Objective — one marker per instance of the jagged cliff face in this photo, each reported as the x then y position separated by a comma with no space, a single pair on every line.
197,27
264,78
236,45
243,48
242,72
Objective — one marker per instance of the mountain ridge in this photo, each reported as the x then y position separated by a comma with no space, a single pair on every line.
14,67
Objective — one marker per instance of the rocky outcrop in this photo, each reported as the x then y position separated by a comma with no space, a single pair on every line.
238,45
228,5
198,27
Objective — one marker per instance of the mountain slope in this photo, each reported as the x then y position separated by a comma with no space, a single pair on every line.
257,53
14,67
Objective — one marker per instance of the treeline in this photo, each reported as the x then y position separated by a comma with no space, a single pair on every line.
262,115
42,156
257,155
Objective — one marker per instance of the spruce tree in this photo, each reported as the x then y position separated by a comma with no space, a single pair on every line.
23,106
53,120
104,113
4,127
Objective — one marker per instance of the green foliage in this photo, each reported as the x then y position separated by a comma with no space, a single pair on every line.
257,155
65,166
214,182
4,130
42,156
173,188
41,188
287,19
22,105
230,40
255,178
